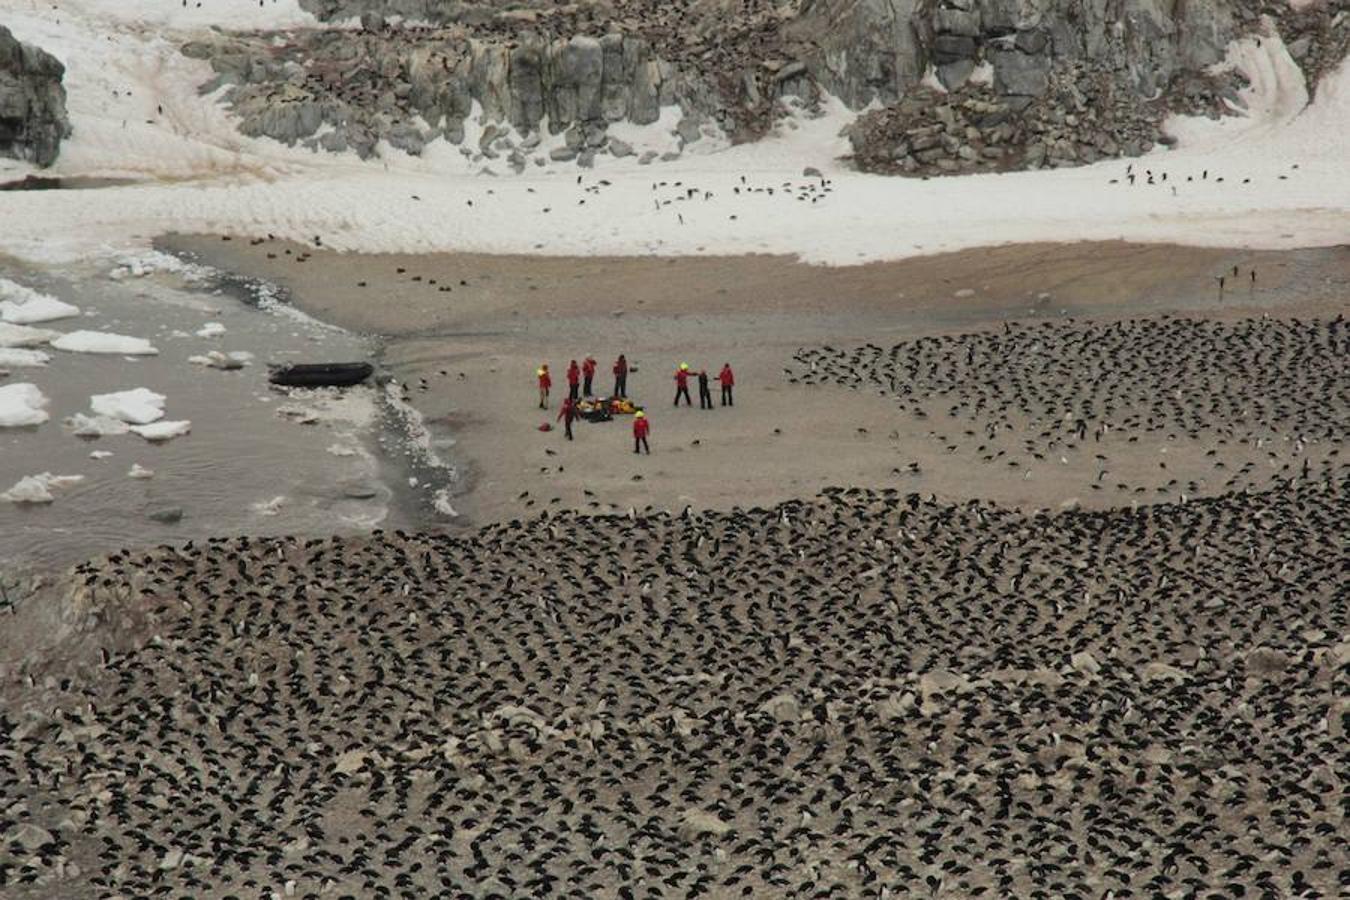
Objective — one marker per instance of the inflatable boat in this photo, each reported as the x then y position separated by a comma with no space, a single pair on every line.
321,374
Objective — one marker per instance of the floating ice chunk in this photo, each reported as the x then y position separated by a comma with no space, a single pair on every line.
341,450
12,335
38,488
100,454
104,342
19,358
139,471
210,330
84,426
22,404
139,406
163,431
24,306
441,503
269,507
217,360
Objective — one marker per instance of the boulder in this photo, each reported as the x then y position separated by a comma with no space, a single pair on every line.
32,102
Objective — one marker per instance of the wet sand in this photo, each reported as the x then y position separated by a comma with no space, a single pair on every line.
504,315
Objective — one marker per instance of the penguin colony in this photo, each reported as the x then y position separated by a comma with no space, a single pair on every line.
1274,393
863,694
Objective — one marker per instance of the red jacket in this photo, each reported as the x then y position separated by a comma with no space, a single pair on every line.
726,377
588,367
641,428
681,378
567,410
621,367
573,374
545,380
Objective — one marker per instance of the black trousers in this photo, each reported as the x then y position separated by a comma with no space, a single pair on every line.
567,426
704,397
683,392
621,385
586,388
641,442
572,392
726,395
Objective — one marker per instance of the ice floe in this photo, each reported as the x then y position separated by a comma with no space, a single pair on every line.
162,431
19,358
104,342
21,405
84,426
139,406
12,335
38,488
21,305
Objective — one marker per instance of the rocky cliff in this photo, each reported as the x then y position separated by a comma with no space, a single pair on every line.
32,102
955,85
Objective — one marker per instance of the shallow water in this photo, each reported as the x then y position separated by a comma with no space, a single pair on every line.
241,456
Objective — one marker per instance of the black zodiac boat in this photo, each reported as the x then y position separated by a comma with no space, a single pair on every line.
321,374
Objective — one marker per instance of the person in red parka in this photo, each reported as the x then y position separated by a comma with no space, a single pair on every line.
621,377
573,380
641,428
728,379
587,375
567,415
682,385
545,382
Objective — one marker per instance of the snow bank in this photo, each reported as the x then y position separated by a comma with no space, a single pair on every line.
22,405
201,176
38,488
18,359
104,342
210,330
139,471
24,335
197,14
162,431
25,306
139,406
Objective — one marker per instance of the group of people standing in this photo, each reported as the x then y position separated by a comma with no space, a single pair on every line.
581,381
726,378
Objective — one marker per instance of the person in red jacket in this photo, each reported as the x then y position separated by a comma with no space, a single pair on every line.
545,382
587,375
573,380
621,377
682,385
641,428
567,415
728,379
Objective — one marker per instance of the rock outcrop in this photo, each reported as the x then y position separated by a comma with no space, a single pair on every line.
996,83
32,102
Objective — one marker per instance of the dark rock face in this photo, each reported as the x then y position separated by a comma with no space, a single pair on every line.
32,102
736,64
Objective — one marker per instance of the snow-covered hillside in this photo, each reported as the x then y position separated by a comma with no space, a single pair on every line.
1277,177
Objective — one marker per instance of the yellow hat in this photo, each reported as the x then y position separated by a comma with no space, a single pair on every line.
540,371
639,415
684,366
